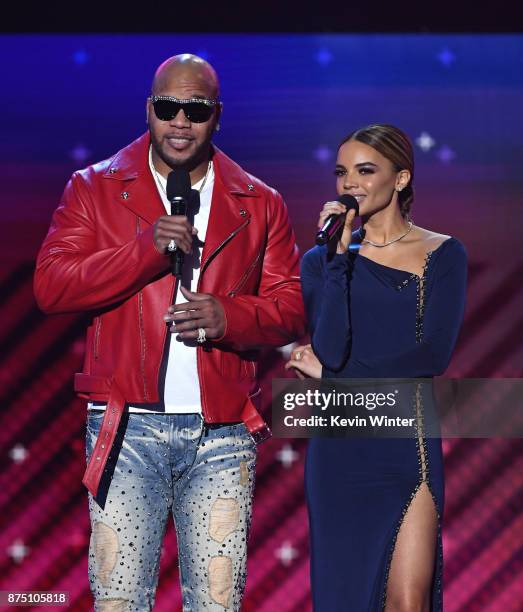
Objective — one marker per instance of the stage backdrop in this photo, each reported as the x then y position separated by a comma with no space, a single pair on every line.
72,100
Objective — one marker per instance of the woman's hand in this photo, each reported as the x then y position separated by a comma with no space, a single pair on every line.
304,362
336,208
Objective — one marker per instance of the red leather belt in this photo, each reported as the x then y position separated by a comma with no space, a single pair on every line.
106,389
253,420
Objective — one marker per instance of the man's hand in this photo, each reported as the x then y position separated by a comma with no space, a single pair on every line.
201,310
173,227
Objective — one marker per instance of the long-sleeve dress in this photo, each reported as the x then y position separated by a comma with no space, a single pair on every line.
368,320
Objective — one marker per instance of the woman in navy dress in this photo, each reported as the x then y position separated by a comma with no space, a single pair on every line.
387,301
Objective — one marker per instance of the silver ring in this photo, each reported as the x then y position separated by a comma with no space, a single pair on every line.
202,336
172,246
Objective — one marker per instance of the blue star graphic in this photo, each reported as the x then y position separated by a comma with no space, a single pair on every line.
324,57
203,53
446,57
81,57
80,153
322,153
446,154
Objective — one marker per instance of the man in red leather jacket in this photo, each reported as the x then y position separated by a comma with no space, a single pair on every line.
171,423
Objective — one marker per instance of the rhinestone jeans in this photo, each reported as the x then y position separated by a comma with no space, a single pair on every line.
203,476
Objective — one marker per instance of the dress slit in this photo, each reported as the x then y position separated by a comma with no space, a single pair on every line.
423,467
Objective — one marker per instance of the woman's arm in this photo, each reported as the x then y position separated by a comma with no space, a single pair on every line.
325,294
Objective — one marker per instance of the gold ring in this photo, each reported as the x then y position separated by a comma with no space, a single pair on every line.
297,357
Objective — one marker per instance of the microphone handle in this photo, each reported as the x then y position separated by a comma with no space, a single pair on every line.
177,262
178,207
330,227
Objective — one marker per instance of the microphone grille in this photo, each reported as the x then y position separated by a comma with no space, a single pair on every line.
178,184
350,202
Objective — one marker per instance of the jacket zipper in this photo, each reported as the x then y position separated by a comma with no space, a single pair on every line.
97,336
158,369
199,349
142,329
220,246
142,344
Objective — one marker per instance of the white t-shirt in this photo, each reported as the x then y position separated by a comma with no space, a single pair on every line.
182,387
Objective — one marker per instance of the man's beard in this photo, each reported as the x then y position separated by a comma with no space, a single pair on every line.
190,163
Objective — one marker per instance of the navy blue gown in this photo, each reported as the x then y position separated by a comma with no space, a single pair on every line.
368,320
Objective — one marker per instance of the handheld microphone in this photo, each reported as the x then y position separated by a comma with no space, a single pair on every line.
178,194
334,222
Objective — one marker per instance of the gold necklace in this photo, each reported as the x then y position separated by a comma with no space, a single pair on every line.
375,244
159,182
205,177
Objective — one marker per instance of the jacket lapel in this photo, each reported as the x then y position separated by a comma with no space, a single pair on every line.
233,194
137,189
143,198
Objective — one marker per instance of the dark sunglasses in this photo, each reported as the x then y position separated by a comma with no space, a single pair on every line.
197,110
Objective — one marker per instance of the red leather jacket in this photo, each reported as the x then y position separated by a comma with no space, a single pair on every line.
99,256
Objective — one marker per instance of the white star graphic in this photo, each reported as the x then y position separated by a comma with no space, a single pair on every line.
287,455
425,142
286,553
18,453
18,551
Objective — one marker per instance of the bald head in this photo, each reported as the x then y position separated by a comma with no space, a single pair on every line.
186,70
184,140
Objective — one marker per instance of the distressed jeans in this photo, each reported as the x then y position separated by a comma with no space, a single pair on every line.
164,463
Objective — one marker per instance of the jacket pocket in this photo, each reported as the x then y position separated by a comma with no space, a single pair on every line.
231,365
239,285
249,369
236,366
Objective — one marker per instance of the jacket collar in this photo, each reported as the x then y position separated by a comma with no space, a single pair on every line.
132,162
233,189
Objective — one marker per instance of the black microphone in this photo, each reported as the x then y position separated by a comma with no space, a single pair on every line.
334,222
178,194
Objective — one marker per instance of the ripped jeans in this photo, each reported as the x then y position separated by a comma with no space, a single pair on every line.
166,463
